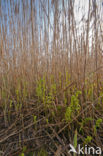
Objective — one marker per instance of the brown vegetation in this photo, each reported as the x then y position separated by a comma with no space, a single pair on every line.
51,80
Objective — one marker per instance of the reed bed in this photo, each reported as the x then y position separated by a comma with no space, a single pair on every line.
51,77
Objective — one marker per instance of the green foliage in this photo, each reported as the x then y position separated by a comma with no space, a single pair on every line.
39,89
75,139
97,125
31,154
17,95
3,94
74,107
90,92
42,153
84,122
98,122
21,94
87,140
68,114
52,93
35,118
48,100
24,149
53,113
45,95
47,121
53,90
67,81
11,103
22,154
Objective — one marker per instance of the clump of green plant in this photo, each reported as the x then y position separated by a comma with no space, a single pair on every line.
97,125
18,96
68,114
74,107
41,91
87,140
44,94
